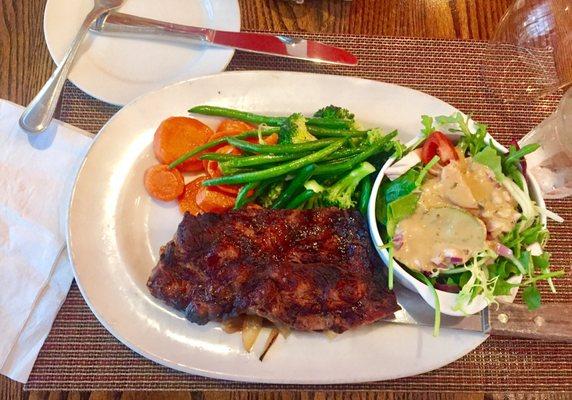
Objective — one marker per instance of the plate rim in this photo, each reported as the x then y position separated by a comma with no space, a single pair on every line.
210,373
225,60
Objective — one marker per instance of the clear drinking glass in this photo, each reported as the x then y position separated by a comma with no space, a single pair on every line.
530,54
551,164
529,57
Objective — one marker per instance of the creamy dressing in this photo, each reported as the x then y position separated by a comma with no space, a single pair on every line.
439,237
458,210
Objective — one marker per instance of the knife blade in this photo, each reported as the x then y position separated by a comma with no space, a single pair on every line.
115,23
550,322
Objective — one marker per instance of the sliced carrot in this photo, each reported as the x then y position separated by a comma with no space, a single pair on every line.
215,136
188,200
229,127
272,139
177,136
233,127
213,169
163,183
211,200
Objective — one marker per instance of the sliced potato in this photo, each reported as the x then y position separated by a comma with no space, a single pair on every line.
250,330
445,235
456,190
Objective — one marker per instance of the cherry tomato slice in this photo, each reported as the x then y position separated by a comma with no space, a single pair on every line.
438,144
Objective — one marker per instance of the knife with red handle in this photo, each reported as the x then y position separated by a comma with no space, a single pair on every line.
115,23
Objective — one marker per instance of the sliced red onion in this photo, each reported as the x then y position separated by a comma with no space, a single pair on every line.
535,249
438,260
402,166
456,260
447,288
397,241
502,250
453,256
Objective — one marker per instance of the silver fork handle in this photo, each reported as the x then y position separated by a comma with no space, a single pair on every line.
121,24
39,113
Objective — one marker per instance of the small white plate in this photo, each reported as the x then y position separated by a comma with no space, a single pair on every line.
117,69
116,230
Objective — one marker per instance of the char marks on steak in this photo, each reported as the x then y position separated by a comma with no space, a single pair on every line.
311,270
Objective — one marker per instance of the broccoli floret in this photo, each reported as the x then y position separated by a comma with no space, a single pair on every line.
314,186
340,193
272,193
384,145
294,130
374,136
334,112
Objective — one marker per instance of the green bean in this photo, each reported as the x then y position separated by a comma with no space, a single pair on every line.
296,183
329,123
219,157
214,143
343,166
346,164
281,148
259,159
263,119
277,170
242,197
320,132
300,199
236,114
345,153
364,195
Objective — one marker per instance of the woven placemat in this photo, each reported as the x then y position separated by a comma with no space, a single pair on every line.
80,354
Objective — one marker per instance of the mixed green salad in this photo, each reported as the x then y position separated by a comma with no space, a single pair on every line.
460,218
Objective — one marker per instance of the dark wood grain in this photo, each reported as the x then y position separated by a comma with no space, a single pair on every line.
24,60
463,19
25,65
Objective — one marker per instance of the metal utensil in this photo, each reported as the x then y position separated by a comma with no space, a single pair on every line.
551,322
39,113
283,46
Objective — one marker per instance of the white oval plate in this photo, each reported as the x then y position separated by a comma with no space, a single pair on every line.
117,69
116,230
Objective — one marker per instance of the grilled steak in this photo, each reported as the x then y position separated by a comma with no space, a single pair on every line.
311,270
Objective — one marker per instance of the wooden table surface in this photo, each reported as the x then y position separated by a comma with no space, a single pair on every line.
25,64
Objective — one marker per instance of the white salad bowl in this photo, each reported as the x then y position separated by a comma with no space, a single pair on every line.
447,300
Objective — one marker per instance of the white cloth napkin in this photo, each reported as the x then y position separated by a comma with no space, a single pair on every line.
36,174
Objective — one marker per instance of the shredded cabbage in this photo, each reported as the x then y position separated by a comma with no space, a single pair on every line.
526,204
545,212
478,283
